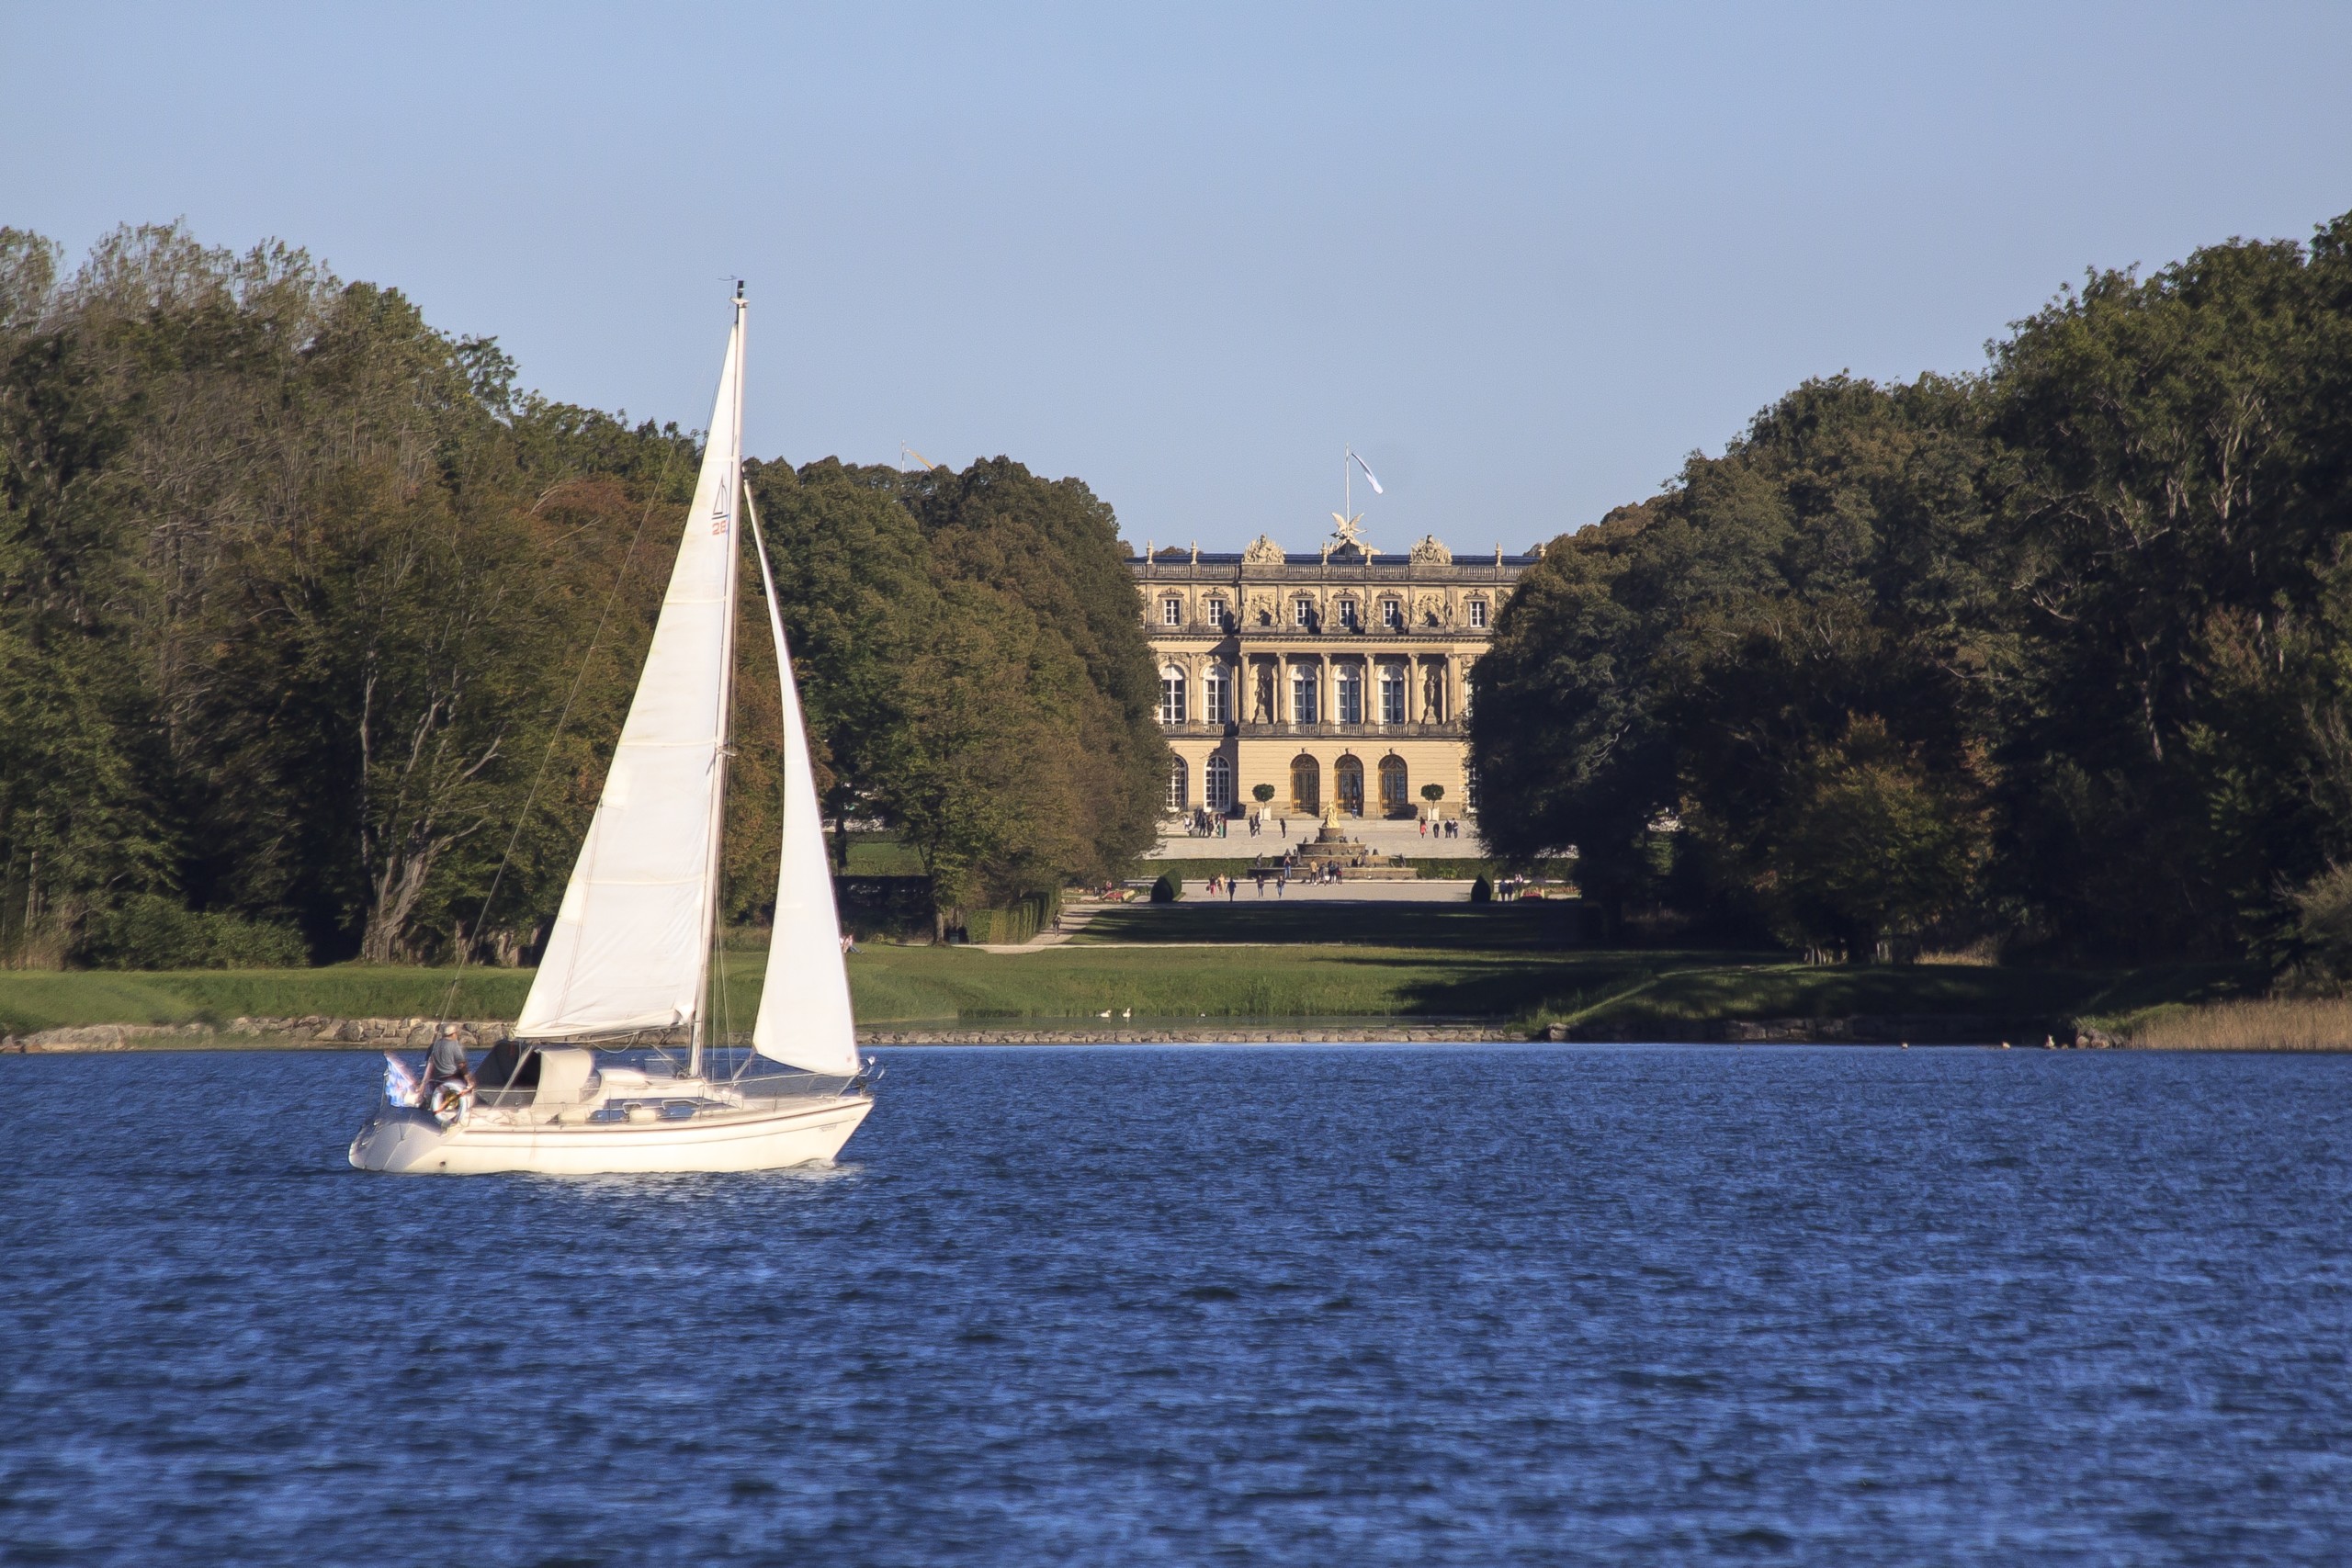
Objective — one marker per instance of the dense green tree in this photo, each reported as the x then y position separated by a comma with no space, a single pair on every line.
310,618
2057,653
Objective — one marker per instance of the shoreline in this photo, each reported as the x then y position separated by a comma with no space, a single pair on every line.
314,1033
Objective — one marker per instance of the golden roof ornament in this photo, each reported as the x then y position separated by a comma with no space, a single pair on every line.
1263,551
1429,552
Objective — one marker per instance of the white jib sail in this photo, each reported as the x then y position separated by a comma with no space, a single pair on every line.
805,1020
632,940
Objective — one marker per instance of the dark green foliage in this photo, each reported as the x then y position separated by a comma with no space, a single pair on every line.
1482,891
2055,655
150,931
301,602
1261,793
1164,890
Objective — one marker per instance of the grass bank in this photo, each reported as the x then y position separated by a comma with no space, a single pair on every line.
31,999
1503,971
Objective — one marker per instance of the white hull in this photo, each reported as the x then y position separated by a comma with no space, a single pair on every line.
805,1131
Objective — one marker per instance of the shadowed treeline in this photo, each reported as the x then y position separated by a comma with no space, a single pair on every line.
302,602
2053,660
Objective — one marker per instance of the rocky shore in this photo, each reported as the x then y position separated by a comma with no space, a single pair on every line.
383,1033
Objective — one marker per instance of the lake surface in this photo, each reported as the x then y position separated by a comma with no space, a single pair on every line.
1265,1306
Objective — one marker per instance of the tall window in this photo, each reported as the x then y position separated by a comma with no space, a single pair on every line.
1392,613
1220,781
1171,612
1219,613
1348,615
1302,693
1171,695
1216,696
1392,694
1393,800
1478,612
1177,797
1347,785
1350,685
1302,611
1470,791
1305,785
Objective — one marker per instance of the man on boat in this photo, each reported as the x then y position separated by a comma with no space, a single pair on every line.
446,1063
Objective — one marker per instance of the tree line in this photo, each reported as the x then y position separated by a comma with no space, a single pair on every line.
316,631
2052,660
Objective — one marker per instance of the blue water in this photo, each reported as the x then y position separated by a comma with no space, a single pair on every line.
1313,1305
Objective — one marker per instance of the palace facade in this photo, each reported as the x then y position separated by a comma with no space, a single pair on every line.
1340,677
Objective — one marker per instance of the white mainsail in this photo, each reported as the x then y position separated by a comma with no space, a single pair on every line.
805,1020
632,940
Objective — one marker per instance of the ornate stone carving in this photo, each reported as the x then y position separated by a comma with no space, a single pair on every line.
1261,710
1433,695
1428,610
1429,552
1261,609
1263,551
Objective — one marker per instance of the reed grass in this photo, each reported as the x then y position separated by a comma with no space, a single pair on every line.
2321,1023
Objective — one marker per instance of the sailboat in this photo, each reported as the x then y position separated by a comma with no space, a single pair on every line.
579,1091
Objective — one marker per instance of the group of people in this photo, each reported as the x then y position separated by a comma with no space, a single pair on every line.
1260,818
1444,828
1279,874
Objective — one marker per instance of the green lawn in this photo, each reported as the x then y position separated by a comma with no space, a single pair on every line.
41,1000
1512,975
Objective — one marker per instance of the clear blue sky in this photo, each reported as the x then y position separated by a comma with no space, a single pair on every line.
1524,258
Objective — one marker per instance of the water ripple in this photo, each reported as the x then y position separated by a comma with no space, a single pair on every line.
1273,1305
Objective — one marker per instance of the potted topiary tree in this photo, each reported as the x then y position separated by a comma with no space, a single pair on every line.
1164,890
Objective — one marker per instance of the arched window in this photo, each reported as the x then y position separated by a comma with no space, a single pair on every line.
1347,785
1171,695
1305,785
1394,801
1350,681
1177,785
1216,696
1302,693
1392,694
1220,783
1171,611
1478,612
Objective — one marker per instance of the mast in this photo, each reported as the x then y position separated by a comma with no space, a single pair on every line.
725,719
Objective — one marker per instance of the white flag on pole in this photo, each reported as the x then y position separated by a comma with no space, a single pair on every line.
1368,474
